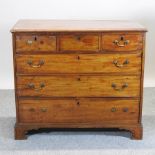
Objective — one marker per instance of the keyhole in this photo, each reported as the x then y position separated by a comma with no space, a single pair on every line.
122,38
78,38
78,103
78,57
79,79
35,38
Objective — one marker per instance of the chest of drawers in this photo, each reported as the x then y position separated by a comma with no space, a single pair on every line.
78,74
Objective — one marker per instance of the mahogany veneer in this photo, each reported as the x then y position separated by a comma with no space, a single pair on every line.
78,74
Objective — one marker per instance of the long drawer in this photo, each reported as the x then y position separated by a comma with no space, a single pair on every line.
78,85
79,111
79,63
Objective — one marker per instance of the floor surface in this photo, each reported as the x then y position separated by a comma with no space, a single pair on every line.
76,143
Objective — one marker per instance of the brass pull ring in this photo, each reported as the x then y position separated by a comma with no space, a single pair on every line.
114,86
125,109
32,110
40,63
121,42
43,109
117,64
29,42
113,109
32,86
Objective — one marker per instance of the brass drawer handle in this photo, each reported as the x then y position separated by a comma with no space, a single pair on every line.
40,63
121,42
29,42
114,86
43,109
117,64
31,109
32,86
113,109
125,109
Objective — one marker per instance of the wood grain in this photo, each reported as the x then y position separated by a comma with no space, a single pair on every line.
78,74
35,43
78,111
79,63
135,42
79,86
80,42
76,25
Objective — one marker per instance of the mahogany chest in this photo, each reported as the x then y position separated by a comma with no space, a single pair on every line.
78,74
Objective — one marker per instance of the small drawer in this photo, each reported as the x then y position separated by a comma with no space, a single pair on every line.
79,111
78,86
79,42
35,43
79,63
122,42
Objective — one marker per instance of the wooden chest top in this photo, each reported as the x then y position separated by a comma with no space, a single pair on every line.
75,25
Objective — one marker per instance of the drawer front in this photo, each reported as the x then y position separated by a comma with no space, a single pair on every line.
82,63
81,42
35,43
122,42
79,111
78,85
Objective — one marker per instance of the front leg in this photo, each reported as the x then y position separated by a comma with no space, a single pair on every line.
20,132
137,132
